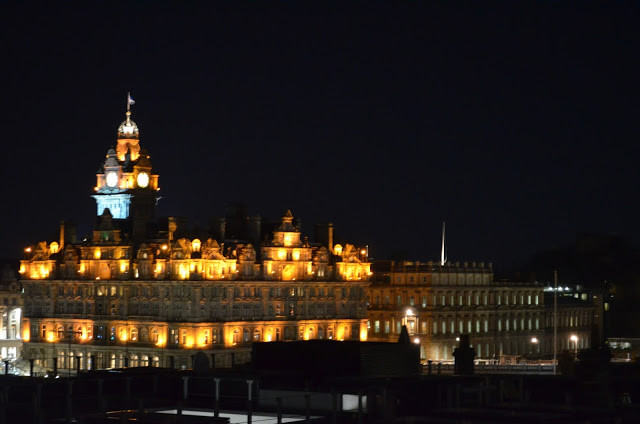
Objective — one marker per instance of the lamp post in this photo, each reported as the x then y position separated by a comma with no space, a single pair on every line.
534,345
124,337
50,336
574,339
70,334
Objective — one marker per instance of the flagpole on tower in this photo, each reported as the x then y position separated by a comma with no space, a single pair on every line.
443,258
130,102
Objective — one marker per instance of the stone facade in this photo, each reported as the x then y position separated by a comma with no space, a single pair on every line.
143,292
10,314
437,303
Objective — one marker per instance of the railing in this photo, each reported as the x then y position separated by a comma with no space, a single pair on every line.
483,368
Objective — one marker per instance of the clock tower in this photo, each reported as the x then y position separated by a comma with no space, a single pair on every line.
126,184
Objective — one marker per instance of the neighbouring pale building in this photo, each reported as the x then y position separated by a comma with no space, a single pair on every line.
10,314
438,302
141,291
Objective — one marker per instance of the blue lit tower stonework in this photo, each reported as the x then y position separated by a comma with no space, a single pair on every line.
126,185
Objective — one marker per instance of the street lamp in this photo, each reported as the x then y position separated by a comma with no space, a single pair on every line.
534,342
70,334
574,339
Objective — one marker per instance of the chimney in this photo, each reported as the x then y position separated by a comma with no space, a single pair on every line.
255,229
61,236
172,227
222,226
324,235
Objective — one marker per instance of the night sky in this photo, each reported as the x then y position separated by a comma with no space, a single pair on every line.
518,125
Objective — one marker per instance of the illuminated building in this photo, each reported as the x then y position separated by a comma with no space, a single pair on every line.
10,315
439,302
141,291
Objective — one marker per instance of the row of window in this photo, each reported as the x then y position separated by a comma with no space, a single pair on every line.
463,326
436,278
177,336
183,291
458,299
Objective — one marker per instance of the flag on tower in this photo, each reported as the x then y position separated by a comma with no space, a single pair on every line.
130,100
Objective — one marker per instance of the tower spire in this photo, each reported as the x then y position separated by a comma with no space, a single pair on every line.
443,258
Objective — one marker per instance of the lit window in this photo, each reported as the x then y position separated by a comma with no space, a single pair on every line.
195,244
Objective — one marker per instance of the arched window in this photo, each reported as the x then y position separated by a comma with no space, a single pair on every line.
236,336
256,335
245,336
134,334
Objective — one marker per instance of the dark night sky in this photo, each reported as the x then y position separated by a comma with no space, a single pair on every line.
518,125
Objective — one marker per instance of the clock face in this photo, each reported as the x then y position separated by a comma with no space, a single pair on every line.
143,179
112,179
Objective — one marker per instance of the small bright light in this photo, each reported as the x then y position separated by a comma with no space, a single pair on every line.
164,247
363,252
574,338
534,340
457,339
416,340
28,249
409,312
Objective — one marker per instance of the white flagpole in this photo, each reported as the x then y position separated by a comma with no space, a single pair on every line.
442,253
555,320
